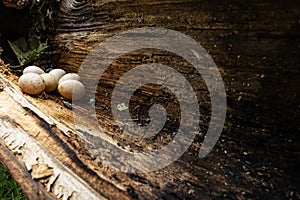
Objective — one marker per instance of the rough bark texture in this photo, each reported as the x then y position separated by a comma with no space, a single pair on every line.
255,45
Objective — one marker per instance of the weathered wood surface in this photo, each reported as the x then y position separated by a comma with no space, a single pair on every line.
255,45
34,138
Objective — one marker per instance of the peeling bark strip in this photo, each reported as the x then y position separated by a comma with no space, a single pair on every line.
32,189
62,182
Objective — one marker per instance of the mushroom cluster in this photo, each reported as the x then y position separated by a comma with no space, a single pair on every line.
35,81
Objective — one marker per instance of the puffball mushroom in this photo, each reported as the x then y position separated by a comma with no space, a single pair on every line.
69,76
50,82
33,69
71,89
32,83
58,73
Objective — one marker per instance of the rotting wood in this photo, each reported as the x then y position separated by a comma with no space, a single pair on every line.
255,45
31,133
65,184
32,189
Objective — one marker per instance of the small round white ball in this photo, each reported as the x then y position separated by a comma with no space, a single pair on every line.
50,81
33,69
69,76
32,83
72,89
58,73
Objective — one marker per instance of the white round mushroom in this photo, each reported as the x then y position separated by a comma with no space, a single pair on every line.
58,73
69,76
32,83
72,89
33,69
50,81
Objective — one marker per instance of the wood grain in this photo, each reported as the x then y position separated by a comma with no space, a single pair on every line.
255,45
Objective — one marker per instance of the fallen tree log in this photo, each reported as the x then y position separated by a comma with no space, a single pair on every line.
255,46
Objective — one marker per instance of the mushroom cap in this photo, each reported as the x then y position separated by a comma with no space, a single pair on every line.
58,73
32,83
72,89
33,69
50,81
69,76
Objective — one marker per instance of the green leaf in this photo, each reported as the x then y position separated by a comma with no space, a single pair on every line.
34,42
16,50
27,52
